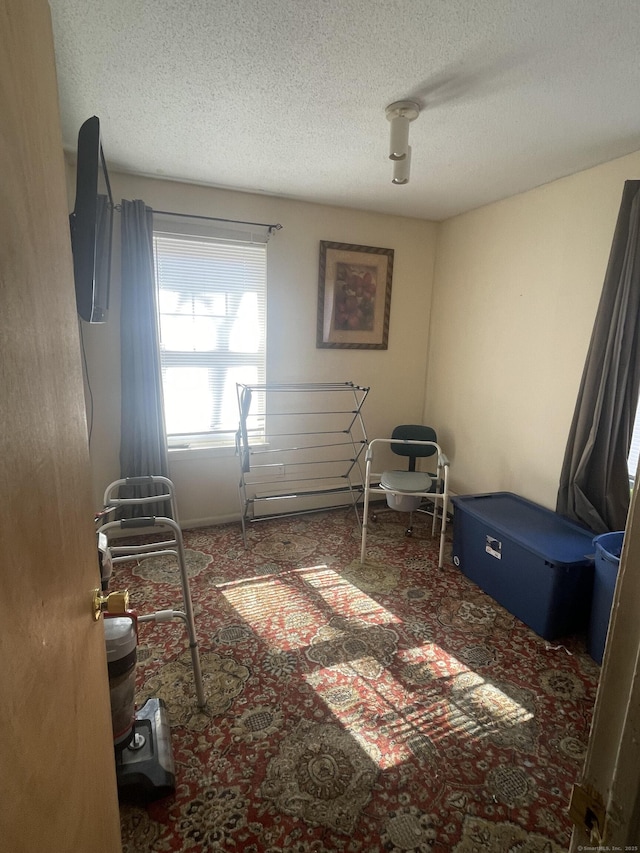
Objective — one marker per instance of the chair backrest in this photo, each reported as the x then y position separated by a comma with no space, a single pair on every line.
417,432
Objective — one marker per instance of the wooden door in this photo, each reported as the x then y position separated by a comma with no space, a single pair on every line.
57,776
612,763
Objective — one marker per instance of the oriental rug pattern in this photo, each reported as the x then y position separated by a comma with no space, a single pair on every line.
353,709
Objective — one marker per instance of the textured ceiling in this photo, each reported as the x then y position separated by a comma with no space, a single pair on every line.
288,97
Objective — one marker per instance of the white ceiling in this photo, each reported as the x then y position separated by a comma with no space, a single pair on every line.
288,97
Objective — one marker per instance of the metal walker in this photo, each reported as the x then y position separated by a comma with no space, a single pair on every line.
173,545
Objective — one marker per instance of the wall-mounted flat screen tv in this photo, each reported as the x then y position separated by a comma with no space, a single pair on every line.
91,226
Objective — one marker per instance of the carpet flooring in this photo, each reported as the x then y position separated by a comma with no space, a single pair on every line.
353,709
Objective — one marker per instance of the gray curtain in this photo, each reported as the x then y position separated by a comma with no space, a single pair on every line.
143,444
594,483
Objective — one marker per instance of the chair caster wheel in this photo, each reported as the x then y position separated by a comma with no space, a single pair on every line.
409,531
373,516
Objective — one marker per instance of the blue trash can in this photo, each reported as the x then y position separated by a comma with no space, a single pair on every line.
608,549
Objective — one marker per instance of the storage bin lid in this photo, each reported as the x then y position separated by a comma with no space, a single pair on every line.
545,533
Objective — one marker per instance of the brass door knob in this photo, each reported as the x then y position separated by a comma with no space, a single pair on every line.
114,602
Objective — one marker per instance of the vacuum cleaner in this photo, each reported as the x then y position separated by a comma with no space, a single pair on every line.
145,768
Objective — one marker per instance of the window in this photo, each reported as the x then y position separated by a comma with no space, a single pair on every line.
211,306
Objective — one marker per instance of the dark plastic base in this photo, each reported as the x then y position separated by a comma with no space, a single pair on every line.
147,773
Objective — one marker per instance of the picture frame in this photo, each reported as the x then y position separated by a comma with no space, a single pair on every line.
354,296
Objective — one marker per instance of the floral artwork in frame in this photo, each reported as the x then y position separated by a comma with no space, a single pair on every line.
354,296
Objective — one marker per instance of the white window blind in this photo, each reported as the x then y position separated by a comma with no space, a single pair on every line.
211,306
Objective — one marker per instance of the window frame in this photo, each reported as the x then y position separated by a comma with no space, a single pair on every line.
216,441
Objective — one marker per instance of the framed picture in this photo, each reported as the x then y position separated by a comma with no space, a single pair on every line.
354,296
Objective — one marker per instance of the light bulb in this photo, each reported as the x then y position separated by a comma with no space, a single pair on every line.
401,169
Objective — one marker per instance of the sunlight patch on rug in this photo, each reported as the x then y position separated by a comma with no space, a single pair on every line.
353,647
347,587
428,664
476,708
391,722
277,611
504,713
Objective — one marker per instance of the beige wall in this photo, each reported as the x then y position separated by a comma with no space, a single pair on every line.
207,485
516,290
517,286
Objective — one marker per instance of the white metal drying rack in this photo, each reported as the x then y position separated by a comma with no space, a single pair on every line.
309,445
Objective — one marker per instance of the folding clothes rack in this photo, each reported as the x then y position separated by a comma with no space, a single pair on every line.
307,447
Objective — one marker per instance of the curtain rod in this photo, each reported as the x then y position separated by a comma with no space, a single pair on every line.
271,227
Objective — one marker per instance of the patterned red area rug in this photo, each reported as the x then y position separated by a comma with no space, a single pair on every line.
353,709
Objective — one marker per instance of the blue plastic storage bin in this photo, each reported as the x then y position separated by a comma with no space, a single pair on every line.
608,549
535,563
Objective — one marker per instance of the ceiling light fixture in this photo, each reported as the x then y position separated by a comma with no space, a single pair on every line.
401,169
400,114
